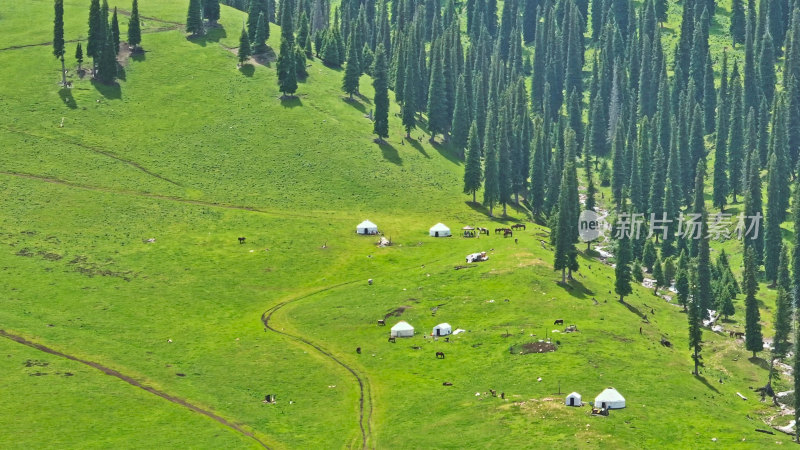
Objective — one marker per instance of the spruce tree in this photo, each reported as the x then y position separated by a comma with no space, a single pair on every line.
194,18
79,55
410,103
352,72
735,144
211,11
286,68
564,232
738,25
115,31
254,11
537,171
380,83
472,166
437,108
260,42
753,210
134,28
795,289
695,317
58,38
460,126
658,277
97,33
783,314
767,68
244,47
491,186
772,232
622,271
682,284
753,338
107,64
650,256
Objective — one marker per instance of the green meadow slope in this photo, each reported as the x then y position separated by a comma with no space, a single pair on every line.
194,153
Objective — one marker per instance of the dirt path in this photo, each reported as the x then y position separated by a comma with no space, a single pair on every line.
97,150
133,382
187,201
72,41
365,400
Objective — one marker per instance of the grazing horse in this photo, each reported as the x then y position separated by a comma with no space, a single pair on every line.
242,239
507,233
358,350
518,226
493,392
382,322
440,355
559,322
392,340
447,383
499,230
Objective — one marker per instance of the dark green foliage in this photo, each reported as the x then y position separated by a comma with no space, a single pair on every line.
695,317
286,68
115,31
437,108
783,314
58,37
410,104
107,63
658,276
682,284
194,18
260,42
352,72
753,339
211,11
565,232
97,31
472,168
491,186
79,55
461,119
753,210
134,27
735,144
300,62
380,82
767,68
738,26
650,256
244,47
622,284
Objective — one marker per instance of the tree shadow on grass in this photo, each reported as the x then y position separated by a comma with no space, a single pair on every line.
703,380
573,287
67,98
447,152
213,35
290,101
632,309
247,70
477,207
139,55
760,362
390,153
109,91
414,143
363,98
355,104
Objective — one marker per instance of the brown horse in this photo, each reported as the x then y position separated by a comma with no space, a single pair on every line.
508,233
440,355
518,226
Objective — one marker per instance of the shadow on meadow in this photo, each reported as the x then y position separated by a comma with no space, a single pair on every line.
109,91
67,98
418,146
355,103
390,153
247,70
290,101
139,55
703,380
213,35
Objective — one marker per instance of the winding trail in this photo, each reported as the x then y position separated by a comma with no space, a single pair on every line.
108,371
365,400
97,150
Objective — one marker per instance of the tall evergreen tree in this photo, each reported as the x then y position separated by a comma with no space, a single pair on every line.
472,168
107,64
622,271
410,103
79,55
461,119
695,330
134,27
97,33
115,31
738,27
735,142
244,47
260,42
491,186
380,83
352,72
772,233
194,18
211,11
753,339
58,38
437,109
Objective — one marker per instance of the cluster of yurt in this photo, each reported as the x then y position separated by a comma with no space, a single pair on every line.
610,398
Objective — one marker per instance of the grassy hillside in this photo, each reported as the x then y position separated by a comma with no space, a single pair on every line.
194,153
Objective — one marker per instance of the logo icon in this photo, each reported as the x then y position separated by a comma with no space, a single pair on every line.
590,225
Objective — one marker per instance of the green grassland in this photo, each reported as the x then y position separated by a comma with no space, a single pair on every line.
193,152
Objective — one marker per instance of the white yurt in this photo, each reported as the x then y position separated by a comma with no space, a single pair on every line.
402,329
574,399
440,230
610,399
367,227
443,329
